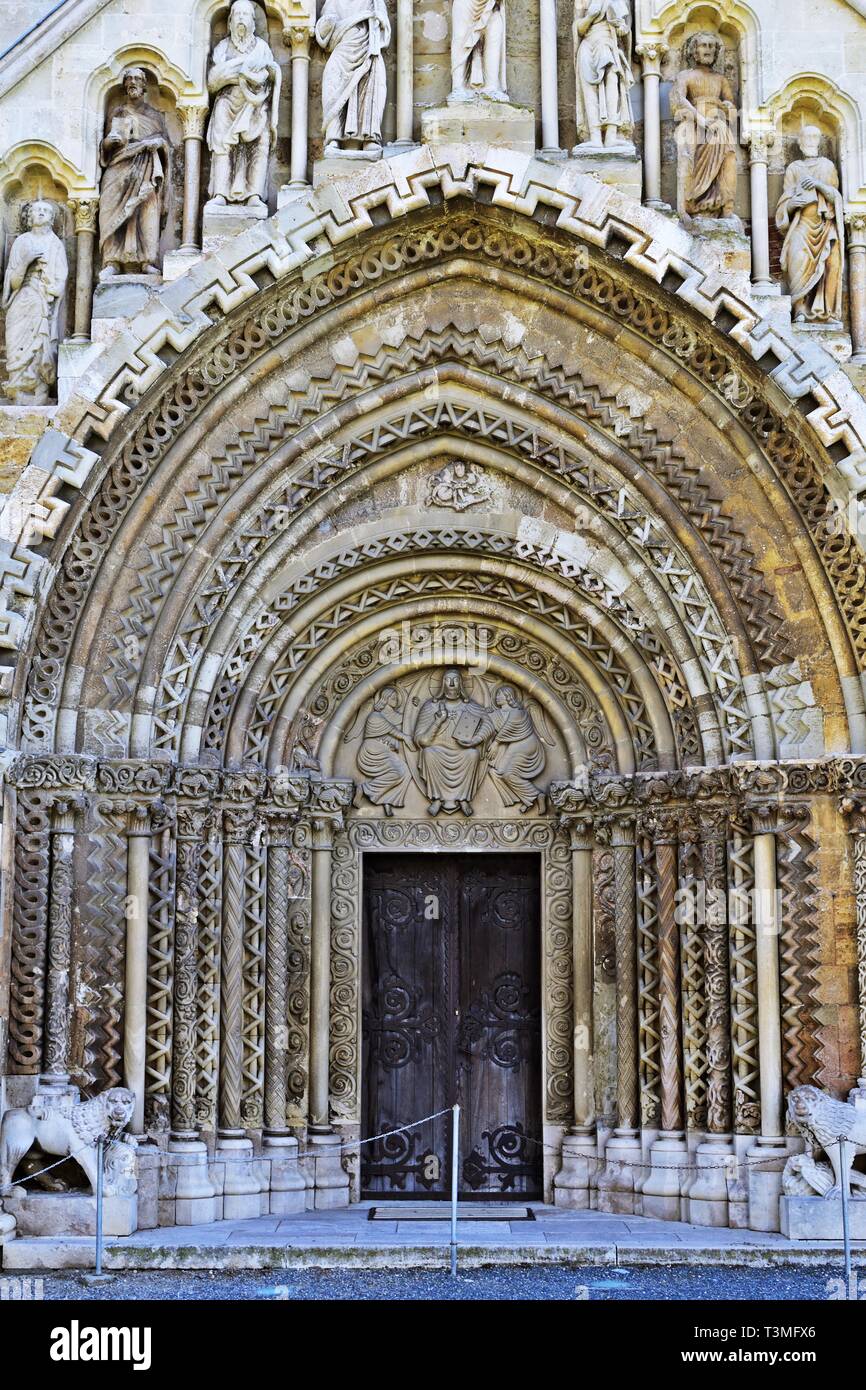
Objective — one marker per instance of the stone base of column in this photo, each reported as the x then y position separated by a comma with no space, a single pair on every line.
241,1187
571,1186
195,1197
662,1190
332,1181
621,168
765,1163
479,121
288,1188
708,1194
616,1183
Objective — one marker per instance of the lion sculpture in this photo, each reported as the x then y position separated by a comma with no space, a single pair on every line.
65,1128
822,1121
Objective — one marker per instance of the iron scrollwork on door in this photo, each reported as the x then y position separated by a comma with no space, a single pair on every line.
393,1158
396,1024
511,1155
503,1022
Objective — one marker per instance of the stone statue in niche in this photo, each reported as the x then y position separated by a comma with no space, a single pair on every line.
33,290
458,485
516,752
354,86
810,213
604,78
386,774
135,193
702,103
244,81
478,50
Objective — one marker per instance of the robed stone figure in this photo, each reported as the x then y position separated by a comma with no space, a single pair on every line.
245,82
452,733
478,50
33,290
702,102
810,213
135,193
602,55
356,34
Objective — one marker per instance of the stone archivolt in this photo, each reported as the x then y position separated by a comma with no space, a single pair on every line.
248,534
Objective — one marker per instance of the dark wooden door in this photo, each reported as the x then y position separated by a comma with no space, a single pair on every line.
452,1012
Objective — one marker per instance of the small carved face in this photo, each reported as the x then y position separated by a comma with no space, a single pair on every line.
387,698
134,83
810,141
801,1103
452,686
41,214
119,1105
242,20
506,696
705,50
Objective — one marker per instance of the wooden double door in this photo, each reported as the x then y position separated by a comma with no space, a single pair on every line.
452,1012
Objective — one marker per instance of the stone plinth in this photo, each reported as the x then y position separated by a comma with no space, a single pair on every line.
726,241
288,1190
73,361
123,296
332,1180
619,168
571,1186
177,263
344,166
221,222
820,1218
70,1214
479,122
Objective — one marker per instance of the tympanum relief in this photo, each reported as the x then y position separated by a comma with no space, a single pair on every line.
452,742
458,485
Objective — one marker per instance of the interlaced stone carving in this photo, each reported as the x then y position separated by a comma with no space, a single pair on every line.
29,931
102,886
799,946
208,983
160,962
647,983
255,888
744,988
692,925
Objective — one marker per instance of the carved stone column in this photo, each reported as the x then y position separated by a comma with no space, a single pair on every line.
759,155
855,809
241,1193
193,120
195,1196
135,982
299,38
857,285
623,1151
320,974
662,1189
708,1195
765,1184
84,212
61,910
405,73
549,85
651,55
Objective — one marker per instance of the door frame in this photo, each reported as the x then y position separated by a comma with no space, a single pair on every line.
543,836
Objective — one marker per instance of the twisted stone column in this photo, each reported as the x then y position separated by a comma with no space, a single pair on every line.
61,908
238,826
662,1189
320,974
276,976
191,828
855,809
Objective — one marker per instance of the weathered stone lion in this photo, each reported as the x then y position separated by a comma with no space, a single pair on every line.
822,1121
64,1128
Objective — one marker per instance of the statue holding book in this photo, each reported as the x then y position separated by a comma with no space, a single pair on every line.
453,733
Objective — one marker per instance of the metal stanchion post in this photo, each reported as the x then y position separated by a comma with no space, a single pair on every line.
97,1277
846,1225
455,1158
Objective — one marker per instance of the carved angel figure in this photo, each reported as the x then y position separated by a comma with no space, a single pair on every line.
458,485
810,213
33,291
387,776
516,752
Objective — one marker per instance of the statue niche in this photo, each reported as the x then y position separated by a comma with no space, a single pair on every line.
811,215
244,81
447,735
603,76
33,290
478,50
355,33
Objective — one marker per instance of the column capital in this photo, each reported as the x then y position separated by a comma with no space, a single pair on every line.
193,116
652,53
240,824
85,211
764,817
853,808
759,142
193,822
662,824
298,36
713,820
64,812
855,221
580,830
